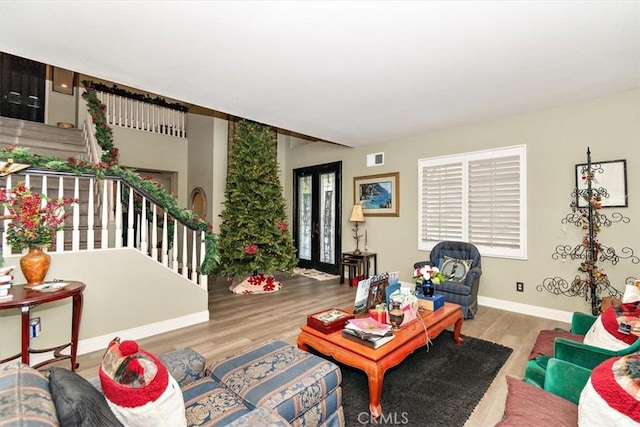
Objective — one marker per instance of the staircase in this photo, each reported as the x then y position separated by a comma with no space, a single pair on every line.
42,139
111,213
46,140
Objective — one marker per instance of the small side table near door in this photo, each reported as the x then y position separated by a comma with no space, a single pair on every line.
25,300
360,262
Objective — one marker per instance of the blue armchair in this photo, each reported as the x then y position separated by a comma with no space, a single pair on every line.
464,293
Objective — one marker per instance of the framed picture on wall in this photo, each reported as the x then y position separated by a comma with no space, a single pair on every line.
379,194
63,80
610,176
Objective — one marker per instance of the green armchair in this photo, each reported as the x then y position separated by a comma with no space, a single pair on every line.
556,404
568,347
565,379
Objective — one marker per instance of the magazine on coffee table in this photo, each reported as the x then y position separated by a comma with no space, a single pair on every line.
373,341
368,326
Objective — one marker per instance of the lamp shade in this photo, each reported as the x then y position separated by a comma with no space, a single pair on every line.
356,214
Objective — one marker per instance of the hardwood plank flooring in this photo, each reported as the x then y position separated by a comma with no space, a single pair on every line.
240,321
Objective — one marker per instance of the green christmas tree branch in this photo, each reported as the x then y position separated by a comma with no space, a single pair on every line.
254,235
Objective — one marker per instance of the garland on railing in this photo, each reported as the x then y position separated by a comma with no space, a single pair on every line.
100,170
115,90
104,134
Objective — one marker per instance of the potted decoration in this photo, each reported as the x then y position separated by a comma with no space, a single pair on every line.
35,219
426,277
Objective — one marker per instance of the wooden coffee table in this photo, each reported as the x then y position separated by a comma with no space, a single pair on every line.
375,362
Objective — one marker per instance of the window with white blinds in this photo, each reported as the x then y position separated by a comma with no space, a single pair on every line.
475,197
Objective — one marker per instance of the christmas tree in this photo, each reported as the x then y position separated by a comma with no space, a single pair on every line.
254,236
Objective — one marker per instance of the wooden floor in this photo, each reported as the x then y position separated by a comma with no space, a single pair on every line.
240,321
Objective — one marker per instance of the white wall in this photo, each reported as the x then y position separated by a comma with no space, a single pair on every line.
147,150
207,158
556,139
127,295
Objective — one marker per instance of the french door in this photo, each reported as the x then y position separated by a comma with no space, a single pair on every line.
317,206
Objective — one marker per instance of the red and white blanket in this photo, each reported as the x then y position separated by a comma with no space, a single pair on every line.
611,396
607,331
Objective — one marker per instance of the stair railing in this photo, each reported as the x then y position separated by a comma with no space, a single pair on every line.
145,116
94,151
139,221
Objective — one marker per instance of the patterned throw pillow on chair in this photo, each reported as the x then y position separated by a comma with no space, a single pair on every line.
139,389
455,270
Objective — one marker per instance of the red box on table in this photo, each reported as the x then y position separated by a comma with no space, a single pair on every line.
328,321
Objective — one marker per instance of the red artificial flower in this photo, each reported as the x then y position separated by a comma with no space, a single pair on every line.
34,217
282,226
251,249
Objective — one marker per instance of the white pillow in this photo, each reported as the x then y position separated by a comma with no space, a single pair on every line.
139,389
631,294
598,336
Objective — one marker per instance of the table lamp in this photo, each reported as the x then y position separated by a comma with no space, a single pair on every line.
357,216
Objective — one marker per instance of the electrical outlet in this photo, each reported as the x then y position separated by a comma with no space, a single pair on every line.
34,327
520,286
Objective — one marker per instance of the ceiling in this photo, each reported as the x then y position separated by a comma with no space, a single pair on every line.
352,73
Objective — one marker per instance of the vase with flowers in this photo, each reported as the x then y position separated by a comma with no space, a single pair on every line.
426,277
35,219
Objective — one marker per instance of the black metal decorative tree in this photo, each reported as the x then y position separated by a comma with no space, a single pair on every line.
592,282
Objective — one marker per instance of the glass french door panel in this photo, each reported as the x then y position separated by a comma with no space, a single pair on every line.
327,217
305,208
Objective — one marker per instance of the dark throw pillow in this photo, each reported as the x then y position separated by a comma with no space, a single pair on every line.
77,402
455,270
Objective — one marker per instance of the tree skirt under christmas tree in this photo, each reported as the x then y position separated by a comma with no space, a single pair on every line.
259,284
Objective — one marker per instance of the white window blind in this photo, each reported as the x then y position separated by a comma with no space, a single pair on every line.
475,197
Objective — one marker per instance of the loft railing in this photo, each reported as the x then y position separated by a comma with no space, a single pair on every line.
135,114
113,214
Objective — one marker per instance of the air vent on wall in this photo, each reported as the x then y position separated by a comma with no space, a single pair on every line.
375,159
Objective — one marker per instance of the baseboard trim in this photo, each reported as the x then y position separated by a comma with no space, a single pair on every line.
530,310
100,343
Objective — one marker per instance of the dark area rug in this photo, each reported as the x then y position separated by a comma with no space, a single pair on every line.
440,387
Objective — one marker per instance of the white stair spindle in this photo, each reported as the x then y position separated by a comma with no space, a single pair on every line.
105,215
118,236
44,188
75,235
165,237
194,258
174,246
144,227
154,233
203,277
90,217
129,109
130,212
6,222
119,111
59,233
185,256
